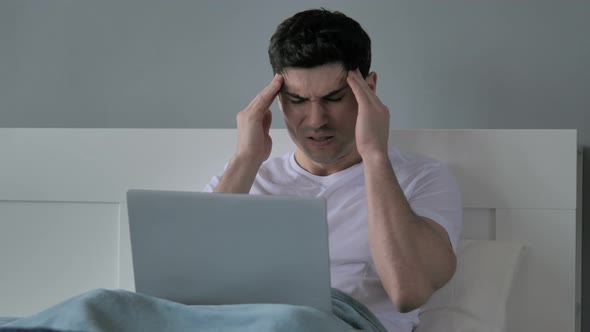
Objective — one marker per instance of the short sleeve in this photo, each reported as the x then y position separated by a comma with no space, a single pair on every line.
436,196
212,184
214,181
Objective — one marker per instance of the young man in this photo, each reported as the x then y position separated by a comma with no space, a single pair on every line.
394,219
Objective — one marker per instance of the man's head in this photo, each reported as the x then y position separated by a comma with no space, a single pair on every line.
314,51
316,37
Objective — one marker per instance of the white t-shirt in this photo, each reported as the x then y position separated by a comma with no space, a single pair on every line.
428,186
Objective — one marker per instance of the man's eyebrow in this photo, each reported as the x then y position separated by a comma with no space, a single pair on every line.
330,94
293,95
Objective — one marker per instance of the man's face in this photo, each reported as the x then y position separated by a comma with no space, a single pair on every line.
320,113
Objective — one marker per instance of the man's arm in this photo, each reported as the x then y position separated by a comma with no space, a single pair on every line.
254,142
412,254
238,176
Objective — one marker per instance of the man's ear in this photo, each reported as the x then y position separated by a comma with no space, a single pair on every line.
372,81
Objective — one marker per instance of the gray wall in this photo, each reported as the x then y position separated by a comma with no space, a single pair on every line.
441,64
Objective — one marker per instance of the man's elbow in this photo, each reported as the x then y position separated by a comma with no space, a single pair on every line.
407,301
413,297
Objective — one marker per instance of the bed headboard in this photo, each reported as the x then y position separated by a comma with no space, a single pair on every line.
63,217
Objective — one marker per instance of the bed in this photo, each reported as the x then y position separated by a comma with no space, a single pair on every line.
63,218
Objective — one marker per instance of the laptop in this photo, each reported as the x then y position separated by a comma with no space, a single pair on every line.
214,248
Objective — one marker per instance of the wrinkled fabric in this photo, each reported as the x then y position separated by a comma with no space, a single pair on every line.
118,310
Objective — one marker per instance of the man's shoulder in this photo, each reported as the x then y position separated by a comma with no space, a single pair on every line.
276,167
416,171
277,163
411,162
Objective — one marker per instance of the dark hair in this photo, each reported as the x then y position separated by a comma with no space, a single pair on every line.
318,36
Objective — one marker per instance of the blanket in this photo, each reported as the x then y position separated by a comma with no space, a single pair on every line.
119,310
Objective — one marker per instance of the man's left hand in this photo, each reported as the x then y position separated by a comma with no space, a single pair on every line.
372,124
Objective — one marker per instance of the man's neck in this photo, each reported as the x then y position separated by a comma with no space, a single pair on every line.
325,169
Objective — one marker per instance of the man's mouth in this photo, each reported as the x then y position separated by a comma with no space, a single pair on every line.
320,138
323,141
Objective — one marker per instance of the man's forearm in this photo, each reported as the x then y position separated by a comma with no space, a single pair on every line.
411,257
238,176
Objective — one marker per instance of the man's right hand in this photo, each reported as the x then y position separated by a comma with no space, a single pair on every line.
254,141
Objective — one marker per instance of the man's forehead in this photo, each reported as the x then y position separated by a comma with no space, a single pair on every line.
314,82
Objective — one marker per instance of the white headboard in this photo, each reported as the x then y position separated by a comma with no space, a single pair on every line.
63,217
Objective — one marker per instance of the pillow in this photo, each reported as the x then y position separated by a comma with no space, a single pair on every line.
475,298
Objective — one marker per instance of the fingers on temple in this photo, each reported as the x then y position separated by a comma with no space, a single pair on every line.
265,98
359,87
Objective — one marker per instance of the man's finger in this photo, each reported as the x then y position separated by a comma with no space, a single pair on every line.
264,99
357,87
361,88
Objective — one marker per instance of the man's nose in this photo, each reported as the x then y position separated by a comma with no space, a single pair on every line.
317,115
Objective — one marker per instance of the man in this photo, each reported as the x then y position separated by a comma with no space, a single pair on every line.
394,219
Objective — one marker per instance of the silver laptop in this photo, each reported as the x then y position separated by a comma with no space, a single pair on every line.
204,248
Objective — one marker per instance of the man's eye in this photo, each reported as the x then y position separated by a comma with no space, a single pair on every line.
297,101
333,100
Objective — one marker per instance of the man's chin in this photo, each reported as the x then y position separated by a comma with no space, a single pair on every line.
326,156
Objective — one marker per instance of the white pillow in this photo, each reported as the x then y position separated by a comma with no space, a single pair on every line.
475,298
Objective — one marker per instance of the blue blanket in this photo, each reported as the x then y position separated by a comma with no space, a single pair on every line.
118,310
